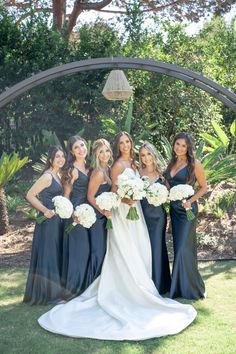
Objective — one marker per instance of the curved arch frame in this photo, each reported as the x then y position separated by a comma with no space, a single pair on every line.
219,92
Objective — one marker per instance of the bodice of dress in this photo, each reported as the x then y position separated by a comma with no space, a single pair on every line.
49,193
181,177
79,190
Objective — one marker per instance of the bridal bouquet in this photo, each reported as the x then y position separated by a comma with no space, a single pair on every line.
85,214
182,192
108,201
157,194
131,188
63,208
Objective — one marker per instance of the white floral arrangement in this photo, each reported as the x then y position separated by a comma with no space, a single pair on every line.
157,194
182,192
62,207
131,188
86,216
108,201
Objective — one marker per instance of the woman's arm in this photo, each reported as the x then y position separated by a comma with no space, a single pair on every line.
43,182
202,182
95,181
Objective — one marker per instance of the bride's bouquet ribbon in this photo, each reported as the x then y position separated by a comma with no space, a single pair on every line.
62,207
182,192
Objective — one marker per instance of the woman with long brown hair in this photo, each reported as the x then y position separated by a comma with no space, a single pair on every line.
76,248
44,278
185,169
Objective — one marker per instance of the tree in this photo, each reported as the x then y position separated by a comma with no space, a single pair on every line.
66,12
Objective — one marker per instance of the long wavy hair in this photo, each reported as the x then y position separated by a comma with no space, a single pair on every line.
190,155
70,159
97,145
51,156
116,149
153,151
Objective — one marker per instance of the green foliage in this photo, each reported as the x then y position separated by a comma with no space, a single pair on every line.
14,202
9,165
30,214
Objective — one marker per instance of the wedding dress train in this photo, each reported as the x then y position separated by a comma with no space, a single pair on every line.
122,303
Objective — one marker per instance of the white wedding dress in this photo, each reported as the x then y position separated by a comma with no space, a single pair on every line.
122,303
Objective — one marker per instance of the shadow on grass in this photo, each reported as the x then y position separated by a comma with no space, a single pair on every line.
214,268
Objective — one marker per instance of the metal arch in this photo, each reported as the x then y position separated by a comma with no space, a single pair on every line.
219,92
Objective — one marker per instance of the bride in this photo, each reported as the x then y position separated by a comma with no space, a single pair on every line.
122,303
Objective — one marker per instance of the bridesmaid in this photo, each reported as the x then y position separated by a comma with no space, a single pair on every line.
185,169
99,182
155,218
44,278
76,249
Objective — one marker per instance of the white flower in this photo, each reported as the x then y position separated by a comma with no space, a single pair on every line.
63,207
130,187
85,214
157,194
107,201
180,192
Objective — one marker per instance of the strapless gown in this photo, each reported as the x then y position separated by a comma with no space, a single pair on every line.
123,302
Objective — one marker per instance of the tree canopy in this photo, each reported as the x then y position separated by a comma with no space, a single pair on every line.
66,13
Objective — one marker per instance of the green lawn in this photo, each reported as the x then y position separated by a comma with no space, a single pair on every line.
213,332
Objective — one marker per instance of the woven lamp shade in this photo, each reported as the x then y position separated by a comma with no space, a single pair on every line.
117,86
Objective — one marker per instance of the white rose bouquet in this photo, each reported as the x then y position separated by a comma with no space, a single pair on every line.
181,192
157,194
63,208
131,188
85,214
108,201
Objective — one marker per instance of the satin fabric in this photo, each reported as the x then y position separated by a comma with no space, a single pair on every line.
98,238
156,220
186,279
44,279
76,247
122,303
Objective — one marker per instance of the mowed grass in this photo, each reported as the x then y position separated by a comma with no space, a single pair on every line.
213,332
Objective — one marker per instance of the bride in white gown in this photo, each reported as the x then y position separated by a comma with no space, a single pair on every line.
122,303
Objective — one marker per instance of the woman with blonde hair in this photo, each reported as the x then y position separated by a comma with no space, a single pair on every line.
155,217
99,182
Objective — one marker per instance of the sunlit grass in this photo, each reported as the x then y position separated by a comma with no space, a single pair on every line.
213,332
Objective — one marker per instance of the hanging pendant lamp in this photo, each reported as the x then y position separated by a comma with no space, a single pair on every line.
117,86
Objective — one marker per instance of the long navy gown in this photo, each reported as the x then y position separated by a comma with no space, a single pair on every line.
98,238
44,279
155,218
186,279
76,248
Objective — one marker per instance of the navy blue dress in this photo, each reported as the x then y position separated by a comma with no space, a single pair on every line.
155,218
76,248
186,279
98,238
44,279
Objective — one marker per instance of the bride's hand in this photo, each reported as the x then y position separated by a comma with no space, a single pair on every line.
127,201
107,213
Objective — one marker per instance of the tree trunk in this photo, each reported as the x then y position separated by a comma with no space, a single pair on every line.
4,222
